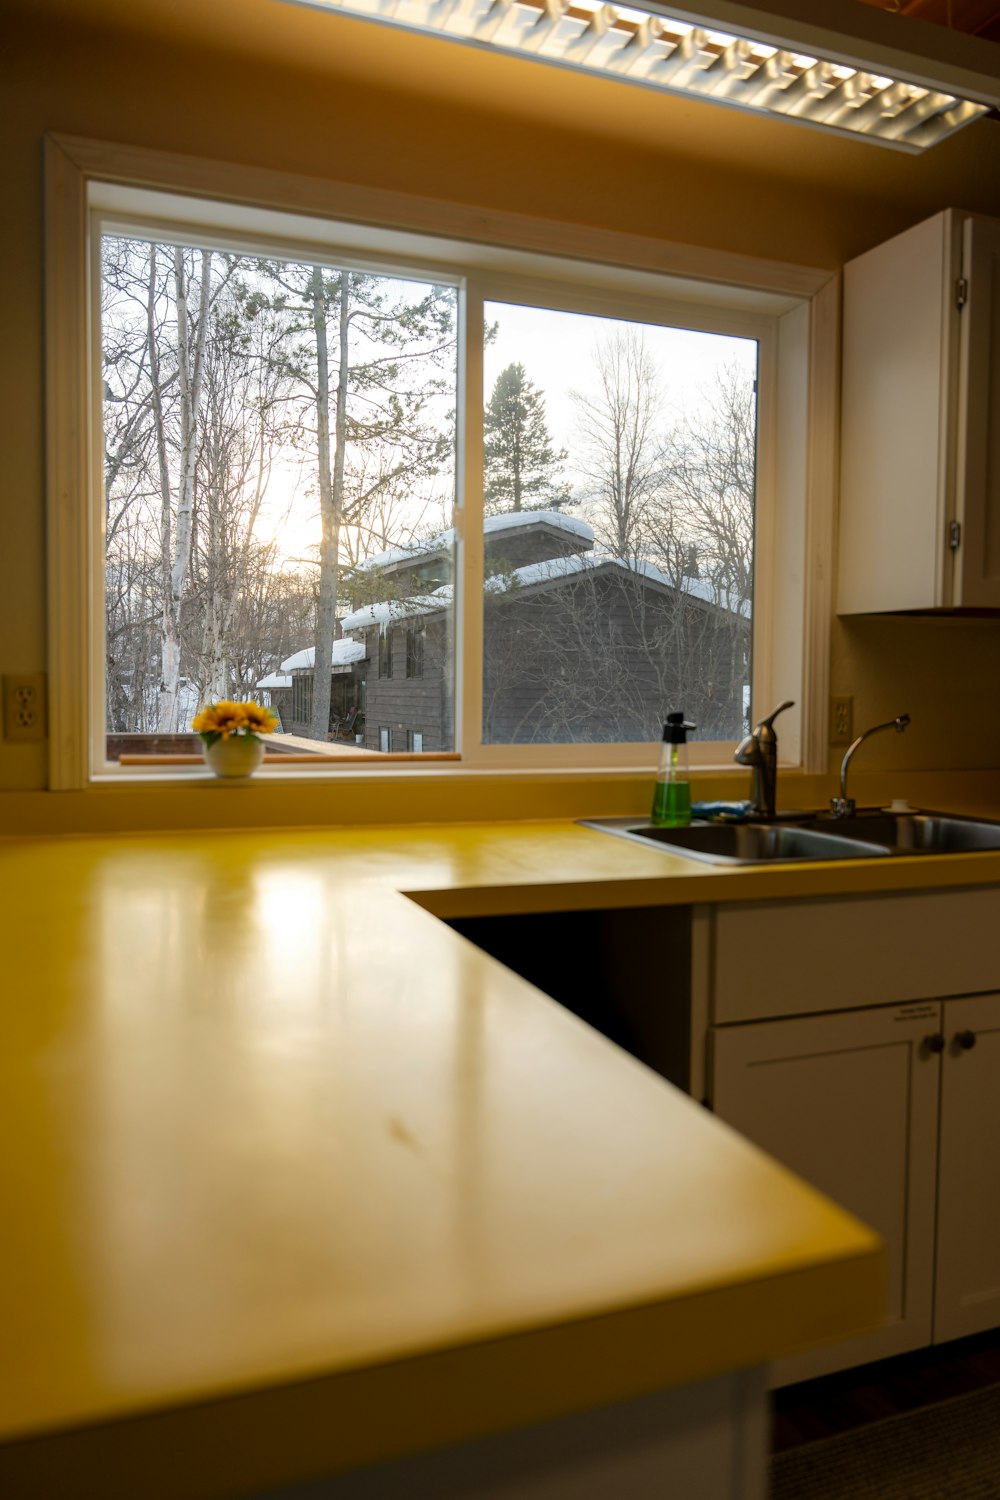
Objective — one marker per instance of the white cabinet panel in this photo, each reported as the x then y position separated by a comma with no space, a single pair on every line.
967,1295
920,421
895,433
978,491
803,957
850,1103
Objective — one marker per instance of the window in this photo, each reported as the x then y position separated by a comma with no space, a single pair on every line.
414,741
302,699
621,474
385,655
415,651
577,602
384,739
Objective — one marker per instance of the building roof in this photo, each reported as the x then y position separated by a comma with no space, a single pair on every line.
537,575
275,680
443,541
388,611
345,651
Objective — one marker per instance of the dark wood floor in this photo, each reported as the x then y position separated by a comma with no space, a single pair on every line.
821,1408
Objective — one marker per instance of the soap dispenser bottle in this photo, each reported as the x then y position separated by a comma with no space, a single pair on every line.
672,797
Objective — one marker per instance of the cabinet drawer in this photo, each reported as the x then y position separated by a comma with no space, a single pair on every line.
799,958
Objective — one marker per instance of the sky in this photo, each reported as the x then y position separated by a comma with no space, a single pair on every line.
556,349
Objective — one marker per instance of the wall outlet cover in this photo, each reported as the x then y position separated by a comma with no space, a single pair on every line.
24,709
841,720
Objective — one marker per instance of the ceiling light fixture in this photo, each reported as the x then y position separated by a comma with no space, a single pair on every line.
679,56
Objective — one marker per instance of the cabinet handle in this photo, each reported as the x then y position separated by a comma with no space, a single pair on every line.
966,1040
934,1042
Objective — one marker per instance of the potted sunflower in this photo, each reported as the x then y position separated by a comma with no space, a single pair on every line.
231,734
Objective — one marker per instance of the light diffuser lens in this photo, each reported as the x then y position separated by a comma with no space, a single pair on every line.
661,52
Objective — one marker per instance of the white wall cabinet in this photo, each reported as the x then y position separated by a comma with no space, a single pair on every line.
920,421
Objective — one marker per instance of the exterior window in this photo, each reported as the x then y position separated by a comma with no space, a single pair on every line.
302,699
414,741
620,459
415,651
385,655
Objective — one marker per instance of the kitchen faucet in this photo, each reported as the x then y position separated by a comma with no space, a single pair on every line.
759,751
843,806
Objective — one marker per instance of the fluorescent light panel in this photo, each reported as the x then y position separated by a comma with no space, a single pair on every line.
662,52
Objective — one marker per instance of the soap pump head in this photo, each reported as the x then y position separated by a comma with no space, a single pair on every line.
675,730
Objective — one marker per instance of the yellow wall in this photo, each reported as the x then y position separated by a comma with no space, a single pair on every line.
285,87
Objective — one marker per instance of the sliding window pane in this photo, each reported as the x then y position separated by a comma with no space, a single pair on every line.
279,483
619,484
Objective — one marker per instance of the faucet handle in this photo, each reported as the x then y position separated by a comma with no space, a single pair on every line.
768,722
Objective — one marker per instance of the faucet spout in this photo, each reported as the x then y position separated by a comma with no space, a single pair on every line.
759,751
843,806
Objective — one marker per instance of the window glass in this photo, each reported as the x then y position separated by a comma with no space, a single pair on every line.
619,481
279,455
302,689
385,655
415,652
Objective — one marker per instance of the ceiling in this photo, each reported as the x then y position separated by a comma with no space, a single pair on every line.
976,17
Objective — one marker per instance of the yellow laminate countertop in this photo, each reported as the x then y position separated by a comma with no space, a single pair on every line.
294,1178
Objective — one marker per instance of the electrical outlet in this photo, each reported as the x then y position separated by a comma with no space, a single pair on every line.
24,706
841,720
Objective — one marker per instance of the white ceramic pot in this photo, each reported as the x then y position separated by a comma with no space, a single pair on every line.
236,757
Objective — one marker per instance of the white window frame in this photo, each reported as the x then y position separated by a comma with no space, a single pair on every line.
792,311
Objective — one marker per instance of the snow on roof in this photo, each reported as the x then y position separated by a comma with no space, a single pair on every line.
563,567
390,610
512,518
443,541
275,680
536,573
344,652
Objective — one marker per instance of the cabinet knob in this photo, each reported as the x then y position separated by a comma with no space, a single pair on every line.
934,1042
966,1040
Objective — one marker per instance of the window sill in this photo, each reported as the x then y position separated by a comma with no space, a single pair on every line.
186,802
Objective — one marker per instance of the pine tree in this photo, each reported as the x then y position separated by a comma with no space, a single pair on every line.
520,464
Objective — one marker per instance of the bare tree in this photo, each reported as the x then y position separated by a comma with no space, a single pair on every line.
243,425
618,450
702,525
192,273
368,353
707,486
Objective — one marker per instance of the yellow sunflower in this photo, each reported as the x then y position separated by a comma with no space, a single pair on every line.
229,717
207,721
259,720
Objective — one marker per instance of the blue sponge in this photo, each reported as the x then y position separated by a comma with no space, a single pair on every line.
722,812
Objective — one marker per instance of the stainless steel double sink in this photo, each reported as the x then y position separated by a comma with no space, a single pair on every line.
812,836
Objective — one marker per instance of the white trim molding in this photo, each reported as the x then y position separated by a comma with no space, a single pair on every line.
484,246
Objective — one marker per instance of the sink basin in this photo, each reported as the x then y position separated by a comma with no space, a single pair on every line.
743,843
916,833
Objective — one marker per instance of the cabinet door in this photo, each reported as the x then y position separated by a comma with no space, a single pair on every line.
967,1295
849,1102
900,344
977,580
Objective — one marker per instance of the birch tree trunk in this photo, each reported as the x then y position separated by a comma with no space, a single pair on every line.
176,558
331,486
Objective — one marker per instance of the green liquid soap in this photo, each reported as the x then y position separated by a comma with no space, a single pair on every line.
672,804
